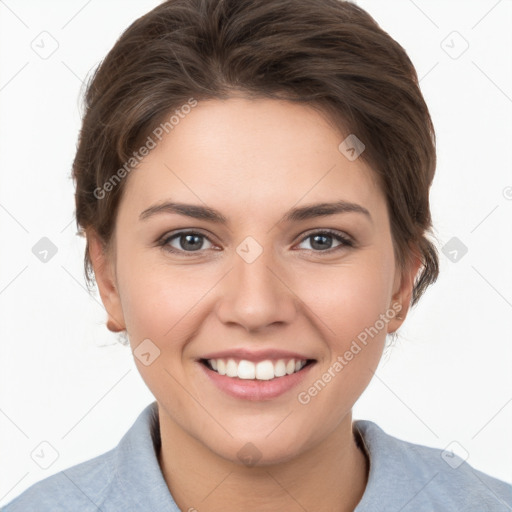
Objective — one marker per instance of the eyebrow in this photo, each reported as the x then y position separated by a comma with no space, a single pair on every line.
293,215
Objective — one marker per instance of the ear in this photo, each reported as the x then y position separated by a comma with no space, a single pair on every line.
105,279
402,289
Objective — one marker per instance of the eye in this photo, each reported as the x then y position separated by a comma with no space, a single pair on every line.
185,242
322,241
190,242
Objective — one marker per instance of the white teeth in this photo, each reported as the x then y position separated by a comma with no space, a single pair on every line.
221,366
231,368
246,370
264,370
280,368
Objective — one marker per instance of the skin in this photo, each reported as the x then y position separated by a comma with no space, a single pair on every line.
253,160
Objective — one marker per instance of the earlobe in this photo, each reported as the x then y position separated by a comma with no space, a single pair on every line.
104,275
404,286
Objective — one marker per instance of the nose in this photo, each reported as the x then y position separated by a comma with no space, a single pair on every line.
256,294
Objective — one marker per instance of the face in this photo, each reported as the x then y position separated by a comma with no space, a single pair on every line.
263,278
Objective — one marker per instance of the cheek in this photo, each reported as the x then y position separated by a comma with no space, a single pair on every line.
157,299
159,306
348,298
351,305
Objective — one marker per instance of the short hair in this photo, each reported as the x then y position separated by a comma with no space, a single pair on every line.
328,54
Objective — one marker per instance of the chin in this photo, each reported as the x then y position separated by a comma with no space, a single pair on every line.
259,450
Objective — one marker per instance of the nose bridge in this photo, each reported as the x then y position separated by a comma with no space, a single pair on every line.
255,294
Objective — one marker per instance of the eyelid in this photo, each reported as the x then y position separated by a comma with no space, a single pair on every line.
341,234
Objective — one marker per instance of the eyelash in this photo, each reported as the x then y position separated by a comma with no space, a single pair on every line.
345,241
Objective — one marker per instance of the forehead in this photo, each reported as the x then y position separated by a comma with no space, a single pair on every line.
257,154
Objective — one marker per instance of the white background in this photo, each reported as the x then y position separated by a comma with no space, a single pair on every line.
64,377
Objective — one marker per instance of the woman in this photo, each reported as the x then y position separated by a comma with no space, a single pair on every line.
253,181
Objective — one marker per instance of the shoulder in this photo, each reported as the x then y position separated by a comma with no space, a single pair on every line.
126,478
82,487
418,477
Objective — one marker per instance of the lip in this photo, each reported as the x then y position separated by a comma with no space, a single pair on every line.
252,389
255,355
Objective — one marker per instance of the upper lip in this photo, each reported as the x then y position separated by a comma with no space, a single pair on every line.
255,355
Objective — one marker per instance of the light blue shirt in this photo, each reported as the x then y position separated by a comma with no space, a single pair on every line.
403,477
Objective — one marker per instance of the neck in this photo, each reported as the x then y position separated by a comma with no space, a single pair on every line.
331,476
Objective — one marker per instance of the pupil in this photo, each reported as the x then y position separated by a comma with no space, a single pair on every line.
190,245
323,237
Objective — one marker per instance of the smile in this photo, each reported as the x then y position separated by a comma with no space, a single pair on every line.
263,370
262,380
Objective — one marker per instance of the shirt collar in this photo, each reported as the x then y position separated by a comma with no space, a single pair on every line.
387,478
137,467
141,478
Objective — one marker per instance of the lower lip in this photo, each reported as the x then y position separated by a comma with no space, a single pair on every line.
252,389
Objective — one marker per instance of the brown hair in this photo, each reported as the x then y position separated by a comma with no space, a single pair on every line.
330,54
